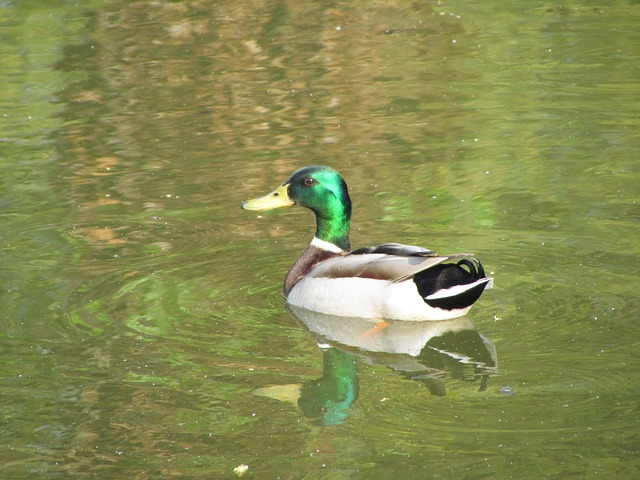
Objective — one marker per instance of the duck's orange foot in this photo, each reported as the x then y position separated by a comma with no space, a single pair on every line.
377,328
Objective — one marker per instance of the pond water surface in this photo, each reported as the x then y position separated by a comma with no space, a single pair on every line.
143,331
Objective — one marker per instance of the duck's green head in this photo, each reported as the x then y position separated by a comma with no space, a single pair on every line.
321,189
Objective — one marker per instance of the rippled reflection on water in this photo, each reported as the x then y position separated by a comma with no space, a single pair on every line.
426,352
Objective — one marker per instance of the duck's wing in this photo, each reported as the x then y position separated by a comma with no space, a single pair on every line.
390,261
396,249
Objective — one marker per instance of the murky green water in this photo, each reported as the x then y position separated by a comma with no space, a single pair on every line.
143,334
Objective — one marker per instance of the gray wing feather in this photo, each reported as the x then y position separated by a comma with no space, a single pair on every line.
395,249
393,267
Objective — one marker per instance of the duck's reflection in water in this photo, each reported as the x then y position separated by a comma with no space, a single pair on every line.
428,352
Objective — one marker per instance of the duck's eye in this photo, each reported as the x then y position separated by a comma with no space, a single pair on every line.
309,181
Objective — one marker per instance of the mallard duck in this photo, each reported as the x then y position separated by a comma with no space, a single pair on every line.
386,281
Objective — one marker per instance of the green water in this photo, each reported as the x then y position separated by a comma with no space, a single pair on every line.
143,334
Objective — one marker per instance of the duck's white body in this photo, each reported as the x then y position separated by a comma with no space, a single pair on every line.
339,286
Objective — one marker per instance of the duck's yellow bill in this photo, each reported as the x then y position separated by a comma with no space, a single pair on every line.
276,199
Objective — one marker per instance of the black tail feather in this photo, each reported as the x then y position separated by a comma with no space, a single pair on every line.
447,275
